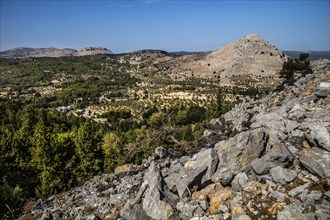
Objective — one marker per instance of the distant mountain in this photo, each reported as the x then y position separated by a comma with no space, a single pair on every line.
25,52
313,55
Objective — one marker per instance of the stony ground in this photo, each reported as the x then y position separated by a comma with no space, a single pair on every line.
265,159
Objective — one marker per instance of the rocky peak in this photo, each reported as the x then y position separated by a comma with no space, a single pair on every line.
253,37
276,166
94,50
250,61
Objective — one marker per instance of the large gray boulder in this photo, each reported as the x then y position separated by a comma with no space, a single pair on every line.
133,212
186,181
323,90
239,182
282,175
195,173
155,203
205,158
317,161
320,134
189,210
237,153
278,155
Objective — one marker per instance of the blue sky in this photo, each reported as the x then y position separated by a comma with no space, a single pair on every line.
182,25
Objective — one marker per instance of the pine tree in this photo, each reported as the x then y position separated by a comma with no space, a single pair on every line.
88,152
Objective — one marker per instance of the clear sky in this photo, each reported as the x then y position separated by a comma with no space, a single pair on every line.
181,25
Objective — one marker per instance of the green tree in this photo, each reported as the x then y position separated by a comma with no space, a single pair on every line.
292,66
40,146
10,199
113,151
88,152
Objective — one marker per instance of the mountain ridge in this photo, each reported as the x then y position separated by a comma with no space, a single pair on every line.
28,52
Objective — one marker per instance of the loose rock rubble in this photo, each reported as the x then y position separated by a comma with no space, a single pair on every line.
276,166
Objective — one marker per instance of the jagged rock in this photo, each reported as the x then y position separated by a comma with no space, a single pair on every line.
273,121
322,211
189,210
291,212
161,152
310,198
323,90
239,181
298,189
133,212
296,138
205,158
321,135
282,175
196,172
204,205
279,196
235,154
297,113
316,161
277,156
155,204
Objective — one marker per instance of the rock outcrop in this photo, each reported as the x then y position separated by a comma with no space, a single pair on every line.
275,166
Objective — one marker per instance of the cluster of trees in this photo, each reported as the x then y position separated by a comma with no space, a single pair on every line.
43,151
21,74
294,66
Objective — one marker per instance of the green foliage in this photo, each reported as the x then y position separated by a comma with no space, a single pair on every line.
156,120
113,151
10,199
292,66
88,152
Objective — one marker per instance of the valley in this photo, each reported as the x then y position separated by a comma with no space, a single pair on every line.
66,119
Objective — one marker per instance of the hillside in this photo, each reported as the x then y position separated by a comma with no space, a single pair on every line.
251,61
25,52
274,166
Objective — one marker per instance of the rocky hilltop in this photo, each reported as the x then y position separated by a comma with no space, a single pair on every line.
266,159
25,52
249,61
93,51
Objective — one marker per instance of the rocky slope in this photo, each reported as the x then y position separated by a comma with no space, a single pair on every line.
265,159
25,52
249,61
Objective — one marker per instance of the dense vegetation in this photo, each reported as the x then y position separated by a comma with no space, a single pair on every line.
44,151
